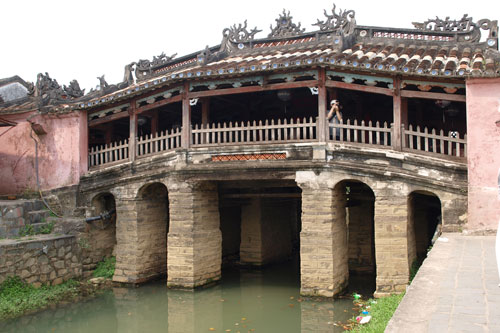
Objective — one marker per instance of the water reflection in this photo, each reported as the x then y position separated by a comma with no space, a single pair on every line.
245,301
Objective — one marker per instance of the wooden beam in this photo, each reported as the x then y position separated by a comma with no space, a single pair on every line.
322,108
163,102
109,118
358,87
432,95
242,90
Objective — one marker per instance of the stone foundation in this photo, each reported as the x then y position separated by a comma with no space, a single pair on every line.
45,260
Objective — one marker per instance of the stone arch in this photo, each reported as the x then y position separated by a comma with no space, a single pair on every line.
152,209
99,239
424,219
359,212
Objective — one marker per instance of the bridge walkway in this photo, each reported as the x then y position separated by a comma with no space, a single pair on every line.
456,289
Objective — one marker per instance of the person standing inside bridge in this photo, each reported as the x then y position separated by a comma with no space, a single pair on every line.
334,118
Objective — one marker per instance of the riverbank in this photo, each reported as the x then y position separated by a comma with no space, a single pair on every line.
18,298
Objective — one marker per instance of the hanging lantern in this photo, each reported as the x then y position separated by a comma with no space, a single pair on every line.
451,112
284,95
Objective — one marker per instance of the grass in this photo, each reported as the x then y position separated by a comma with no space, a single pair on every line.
381,313
105,268
17,297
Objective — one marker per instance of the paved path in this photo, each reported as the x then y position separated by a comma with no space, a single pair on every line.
455,290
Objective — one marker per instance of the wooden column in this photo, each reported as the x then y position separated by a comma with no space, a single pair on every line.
321,105
404,116
396,125
132,142
109,133
154,122
186,118
205,111
205,115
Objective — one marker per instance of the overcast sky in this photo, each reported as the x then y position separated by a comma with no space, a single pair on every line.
85,39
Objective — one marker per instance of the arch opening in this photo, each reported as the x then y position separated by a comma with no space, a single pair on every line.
100,241
260,223
152,230
424,219
359,203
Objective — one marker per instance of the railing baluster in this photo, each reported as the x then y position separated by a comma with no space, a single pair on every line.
465,145
433,148
441,142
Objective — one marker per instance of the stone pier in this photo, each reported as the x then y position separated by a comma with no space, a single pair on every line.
194,238
323,239
392,243
266,231
141,232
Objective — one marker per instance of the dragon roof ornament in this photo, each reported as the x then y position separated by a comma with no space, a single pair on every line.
239,33
343,22
146,65
464,25
285,27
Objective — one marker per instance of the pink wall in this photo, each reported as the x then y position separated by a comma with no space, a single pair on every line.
483,149
59,152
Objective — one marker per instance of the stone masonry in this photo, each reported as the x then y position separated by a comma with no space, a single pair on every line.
323,239
141,230
391,230
45,259
194,238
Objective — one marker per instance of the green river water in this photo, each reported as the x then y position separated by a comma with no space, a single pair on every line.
264,300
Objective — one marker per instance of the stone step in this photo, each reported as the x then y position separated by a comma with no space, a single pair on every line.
39,226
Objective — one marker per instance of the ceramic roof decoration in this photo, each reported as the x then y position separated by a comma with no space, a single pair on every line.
442,49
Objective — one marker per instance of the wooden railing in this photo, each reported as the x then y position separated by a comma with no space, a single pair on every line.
255,132
372,134
436,143
110,153
286,131
154,143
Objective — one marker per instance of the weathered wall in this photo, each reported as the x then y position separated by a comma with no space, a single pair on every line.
15,214
44,260
62,152
483,153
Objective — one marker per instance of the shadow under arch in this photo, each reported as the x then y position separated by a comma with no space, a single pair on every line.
424,220
152,229
100,241
359,203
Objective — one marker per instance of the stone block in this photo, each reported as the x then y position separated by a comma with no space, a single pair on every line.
57,281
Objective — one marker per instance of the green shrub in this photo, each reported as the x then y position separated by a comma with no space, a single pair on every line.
27,230
47,229
105,268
